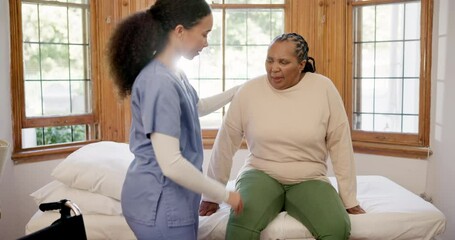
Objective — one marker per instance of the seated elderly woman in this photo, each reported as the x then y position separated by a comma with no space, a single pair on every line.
292,119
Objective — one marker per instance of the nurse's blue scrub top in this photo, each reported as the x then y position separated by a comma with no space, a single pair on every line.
162,103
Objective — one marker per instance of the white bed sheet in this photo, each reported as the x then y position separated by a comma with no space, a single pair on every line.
393,213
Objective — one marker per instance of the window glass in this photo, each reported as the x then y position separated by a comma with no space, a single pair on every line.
386,67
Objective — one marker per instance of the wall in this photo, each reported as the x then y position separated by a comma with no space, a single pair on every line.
441,166
19,181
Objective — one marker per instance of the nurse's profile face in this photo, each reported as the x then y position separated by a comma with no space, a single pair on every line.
195,38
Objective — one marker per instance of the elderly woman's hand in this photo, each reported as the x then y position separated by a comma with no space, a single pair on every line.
208,208
355,210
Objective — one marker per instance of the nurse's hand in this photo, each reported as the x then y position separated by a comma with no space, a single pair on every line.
208,208
236,202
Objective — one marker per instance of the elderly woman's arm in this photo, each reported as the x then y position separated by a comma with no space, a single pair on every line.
339,145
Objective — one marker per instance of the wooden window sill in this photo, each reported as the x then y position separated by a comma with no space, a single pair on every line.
39,154
392,150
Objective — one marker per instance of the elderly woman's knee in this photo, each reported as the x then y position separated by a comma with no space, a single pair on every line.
338,231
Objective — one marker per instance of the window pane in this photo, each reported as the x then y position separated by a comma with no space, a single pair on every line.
364,59
30,23
411,96
363,122
54,135
34,137
388,96
56,98
387,123
210,62
236,62
33,99
54,61
412,20
412,59
80,103
389,59
77,25
236,27
389,22
365,101
53,24
411,124
31,58
216,35
78,57
277,22
364,24
256,60
259,27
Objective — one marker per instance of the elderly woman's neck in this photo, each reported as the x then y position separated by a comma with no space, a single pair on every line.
302,74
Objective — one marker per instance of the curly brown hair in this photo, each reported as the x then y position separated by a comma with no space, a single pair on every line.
138,38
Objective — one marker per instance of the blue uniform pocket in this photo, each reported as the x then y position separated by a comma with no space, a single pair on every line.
140,203
179,202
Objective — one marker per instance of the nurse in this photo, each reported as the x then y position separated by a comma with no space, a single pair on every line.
161,193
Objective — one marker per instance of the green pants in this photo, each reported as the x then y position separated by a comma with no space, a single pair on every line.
314,203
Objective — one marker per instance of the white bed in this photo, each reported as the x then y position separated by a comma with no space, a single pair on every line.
90,178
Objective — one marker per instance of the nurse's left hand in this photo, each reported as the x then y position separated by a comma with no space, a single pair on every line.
235,200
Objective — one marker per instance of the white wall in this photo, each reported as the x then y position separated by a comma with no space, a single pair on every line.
20,180
441,167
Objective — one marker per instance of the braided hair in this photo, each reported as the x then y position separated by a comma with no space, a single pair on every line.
301,49
140,37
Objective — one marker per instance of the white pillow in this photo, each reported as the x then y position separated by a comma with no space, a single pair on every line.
98,167
89,203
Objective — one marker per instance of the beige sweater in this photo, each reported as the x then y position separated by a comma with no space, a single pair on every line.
289,133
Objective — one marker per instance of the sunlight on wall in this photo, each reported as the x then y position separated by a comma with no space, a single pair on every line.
441,70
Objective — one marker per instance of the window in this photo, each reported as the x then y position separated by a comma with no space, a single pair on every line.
378,53
390,46
51,76
238,44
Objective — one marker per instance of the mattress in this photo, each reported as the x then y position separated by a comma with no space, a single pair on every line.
393,212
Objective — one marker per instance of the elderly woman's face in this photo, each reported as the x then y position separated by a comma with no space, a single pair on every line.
282,66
